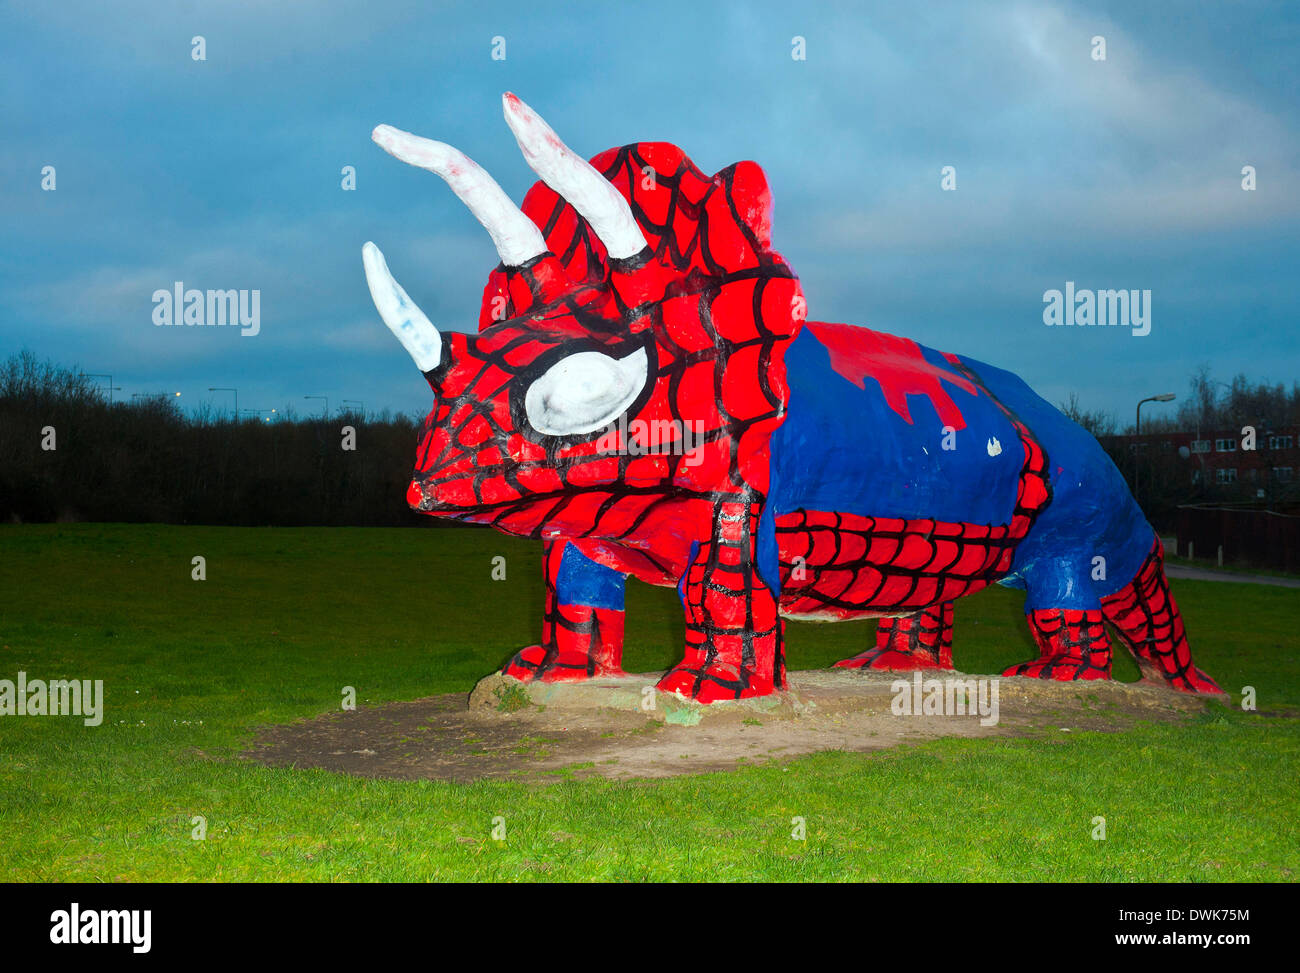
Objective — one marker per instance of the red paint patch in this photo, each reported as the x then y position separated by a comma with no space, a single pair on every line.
896,363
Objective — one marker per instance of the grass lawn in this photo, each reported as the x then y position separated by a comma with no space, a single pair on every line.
287,618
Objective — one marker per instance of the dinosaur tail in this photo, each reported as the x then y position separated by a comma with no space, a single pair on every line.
1146,616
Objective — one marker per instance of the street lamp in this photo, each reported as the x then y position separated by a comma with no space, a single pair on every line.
223,388
327,402
356,402
1137,431
111,386
1166,397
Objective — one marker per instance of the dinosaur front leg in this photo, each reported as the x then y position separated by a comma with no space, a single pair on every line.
919,641
1072,645
733,630
582,629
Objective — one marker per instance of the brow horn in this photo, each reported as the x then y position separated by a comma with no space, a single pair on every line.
570,175
517,238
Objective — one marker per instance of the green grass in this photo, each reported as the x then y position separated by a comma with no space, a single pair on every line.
287,618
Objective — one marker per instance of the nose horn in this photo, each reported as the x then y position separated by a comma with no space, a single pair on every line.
415,331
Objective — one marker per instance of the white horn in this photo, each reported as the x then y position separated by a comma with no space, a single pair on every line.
416,333
517,238
573,177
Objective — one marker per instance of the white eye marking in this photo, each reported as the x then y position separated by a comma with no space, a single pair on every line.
994,447
584,392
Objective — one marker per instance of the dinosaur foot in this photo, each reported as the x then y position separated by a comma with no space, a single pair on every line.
537,663
1062,668
1191,681
714,683
891,660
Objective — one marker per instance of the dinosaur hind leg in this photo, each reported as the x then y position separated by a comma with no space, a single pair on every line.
1146,616
1072,645
922,640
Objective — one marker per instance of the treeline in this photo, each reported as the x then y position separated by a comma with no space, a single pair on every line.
1210,404
66,453
1162,478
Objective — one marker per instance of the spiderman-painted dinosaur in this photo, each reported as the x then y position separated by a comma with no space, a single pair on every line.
645,396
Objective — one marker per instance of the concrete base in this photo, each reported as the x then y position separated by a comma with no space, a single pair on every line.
632,693
820,692
624,728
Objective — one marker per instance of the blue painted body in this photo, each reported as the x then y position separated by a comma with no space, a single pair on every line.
1092,512
893,468
846,449
843,448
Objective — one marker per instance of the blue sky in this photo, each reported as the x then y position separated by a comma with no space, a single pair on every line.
226,174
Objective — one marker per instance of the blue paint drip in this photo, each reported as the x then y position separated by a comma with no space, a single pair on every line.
681,584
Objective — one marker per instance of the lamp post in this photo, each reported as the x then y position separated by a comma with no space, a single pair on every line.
356,402
1166,397
327,402
1137,431
111,386
223,388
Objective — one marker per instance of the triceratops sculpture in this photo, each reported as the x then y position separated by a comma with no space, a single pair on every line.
645,396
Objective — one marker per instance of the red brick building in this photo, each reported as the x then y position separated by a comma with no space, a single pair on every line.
1217,496
1212,458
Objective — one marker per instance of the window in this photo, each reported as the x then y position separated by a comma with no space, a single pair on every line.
1282,474
1226,475
1281,442
1225,445
1200,445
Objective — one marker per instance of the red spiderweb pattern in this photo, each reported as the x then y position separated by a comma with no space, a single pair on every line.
1072,644
734,633
718,334
1147,618
715,306
919,641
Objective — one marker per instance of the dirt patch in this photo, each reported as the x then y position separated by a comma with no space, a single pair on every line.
622,728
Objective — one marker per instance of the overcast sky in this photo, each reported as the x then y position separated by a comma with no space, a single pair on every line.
225,173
